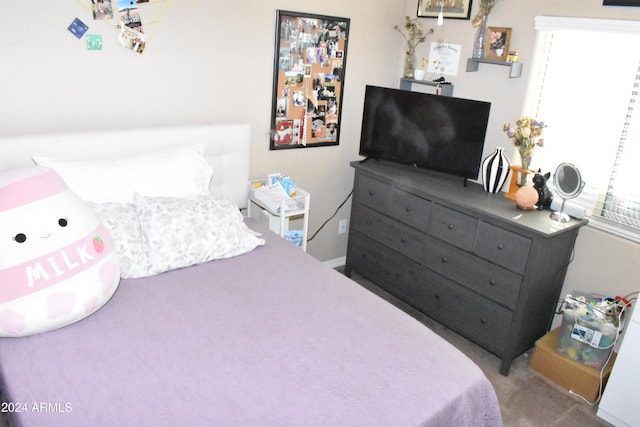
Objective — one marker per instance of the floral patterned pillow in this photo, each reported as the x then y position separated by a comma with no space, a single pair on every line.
180,232
121,220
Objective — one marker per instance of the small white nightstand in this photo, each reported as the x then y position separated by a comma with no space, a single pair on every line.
297,206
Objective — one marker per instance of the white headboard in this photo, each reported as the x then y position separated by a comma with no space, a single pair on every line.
226,148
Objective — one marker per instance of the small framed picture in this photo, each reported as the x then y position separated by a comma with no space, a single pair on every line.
459,9
497,43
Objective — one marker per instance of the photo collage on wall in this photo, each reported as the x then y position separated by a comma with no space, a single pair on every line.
126,17
309,76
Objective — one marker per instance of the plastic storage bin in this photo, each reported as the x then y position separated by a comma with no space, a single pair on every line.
586,335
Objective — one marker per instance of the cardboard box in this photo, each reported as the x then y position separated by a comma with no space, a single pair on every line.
569,374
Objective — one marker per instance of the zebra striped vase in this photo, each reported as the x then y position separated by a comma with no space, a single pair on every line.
495,170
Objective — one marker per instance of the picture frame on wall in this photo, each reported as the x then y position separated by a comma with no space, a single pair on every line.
308,80
621,2
497,43
451,9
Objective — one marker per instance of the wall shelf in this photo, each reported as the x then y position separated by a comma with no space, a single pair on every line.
445,89
515,68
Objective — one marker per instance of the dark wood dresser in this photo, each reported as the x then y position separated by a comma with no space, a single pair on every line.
467,258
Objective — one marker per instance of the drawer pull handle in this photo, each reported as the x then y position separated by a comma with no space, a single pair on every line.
500,246
492,282
450,226
483,320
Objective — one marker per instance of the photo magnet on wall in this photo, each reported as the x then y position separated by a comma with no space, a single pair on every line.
78,28
131,31
130,15
94,41
132,39
102,9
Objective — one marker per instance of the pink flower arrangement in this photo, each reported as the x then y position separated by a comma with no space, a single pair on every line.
527,133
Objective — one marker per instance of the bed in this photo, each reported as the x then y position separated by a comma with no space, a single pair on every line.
270,337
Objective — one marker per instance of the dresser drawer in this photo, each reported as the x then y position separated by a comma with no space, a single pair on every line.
388,269
478,319
410,209
387,231
372,193
453,227
498,284
502,247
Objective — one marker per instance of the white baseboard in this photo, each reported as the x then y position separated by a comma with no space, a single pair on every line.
336,262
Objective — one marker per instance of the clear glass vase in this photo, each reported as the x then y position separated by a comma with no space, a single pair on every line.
410,62
478,43
525,160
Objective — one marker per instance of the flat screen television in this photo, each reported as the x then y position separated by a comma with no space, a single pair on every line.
435,132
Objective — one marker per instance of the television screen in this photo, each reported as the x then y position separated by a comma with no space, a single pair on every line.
436,132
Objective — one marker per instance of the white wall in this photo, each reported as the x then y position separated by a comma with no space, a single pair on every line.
207,61
212,61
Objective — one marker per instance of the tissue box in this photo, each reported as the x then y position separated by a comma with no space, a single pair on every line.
569,374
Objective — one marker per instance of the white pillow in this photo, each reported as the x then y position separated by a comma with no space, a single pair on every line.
180,232
178,171
121,220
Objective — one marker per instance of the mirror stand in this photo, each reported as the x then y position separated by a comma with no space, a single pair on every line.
560,215
568,184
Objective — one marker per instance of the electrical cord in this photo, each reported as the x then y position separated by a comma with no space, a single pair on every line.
601,386
331,217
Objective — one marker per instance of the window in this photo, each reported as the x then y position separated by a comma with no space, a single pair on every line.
585,85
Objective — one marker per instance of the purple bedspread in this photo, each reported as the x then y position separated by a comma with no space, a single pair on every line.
270,338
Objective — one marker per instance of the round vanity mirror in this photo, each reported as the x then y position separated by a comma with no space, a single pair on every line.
568,184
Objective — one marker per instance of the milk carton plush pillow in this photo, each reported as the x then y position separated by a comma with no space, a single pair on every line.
57,261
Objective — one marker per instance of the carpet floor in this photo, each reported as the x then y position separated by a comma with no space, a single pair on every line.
526,398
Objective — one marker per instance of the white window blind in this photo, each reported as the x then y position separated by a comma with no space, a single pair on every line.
584,85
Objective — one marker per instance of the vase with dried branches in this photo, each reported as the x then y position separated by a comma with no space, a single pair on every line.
413,35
